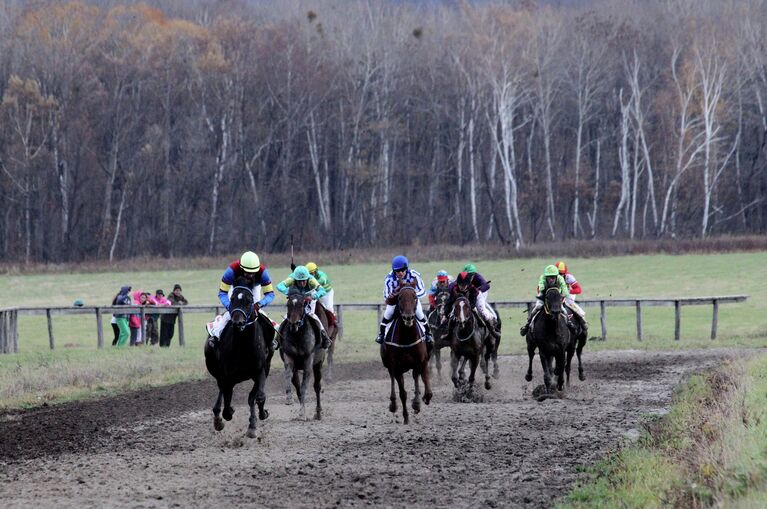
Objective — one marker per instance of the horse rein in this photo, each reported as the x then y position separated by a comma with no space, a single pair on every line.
249,313
469,320
299,323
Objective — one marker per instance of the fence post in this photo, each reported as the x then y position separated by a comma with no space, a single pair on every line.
15,330
181,341
677,319
340,320
50,327
603,319
142,314
715,319
639,320
4,331
99,330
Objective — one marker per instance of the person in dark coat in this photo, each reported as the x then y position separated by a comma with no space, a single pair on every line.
168,322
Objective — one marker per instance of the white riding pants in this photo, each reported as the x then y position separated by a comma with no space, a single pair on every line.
486,311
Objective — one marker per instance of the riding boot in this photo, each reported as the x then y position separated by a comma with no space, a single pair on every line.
325,339
427,332
571,325
381,332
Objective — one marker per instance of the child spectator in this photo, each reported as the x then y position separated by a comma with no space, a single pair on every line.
168,322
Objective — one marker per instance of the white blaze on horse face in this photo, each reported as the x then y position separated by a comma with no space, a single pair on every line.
239,296
462,313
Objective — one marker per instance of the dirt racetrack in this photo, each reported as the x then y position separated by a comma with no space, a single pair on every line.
158,448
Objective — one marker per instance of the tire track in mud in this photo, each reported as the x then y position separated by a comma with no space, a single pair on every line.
157,448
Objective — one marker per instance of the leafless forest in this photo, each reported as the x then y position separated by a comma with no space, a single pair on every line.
198,127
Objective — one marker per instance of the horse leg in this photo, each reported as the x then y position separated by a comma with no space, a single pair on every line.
417,394
318,389
288,375
297,384
473,371
304,382
228,410
496,371
560,372
393,397
454,367
578,350
570,352
488,353
546,365
438,362
263,414
530,354
426,377
462,369
330,360
251,433
218,422
403,397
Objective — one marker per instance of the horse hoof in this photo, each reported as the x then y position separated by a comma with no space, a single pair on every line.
218,423
496,373
581,377
263,415
487,385
227,414
427,398
251,433
392,407
289,400
318,416
406,420
529,377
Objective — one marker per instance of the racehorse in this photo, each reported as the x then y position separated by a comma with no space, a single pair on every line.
549,333
300,350
437,325
332,330
404,349
470,340
243,353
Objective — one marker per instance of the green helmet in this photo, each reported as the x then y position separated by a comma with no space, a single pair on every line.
470,268
551,270
301,273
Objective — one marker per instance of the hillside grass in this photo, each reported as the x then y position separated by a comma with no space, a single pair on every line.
710,450
76,368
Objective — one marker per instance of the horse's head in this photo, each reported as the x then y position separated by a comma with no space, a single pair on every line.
552,303
407,301
441,300
241,304
296,310
462,311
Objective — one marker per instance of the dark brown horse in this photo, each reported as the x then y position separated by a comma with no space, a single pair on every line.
243,353
300,350
470,340
403,350
549,333
438,328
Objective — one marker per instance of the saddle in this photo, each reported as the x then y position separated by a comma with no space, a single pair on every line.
392,326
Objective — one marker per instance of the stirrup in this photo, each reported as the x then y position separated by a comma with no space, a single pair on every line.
380,339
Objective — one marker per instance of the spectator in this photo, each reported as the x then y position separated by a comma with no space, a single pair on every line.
168,322
134,322
153,320
120,320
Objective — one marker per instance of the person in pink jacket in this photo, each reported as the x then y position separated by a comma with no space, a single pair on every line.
153,320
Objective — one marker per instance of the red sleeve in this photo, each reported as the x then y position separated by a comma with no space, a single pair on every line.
575,288
432,299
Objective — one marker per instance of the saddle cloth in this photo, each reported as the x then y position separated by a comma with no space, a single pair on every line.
389,329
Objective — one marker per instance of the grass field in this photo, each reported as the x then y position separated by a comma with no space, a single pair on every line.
77,369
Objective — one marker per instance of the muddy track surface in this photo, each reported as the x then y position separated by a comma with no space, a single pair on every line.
158,448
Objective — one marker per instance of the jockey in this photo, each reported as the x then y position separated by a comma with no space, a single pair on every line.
574,288
549,279
461,287
400,272
251,268
483,287
302,282
327,299
440,283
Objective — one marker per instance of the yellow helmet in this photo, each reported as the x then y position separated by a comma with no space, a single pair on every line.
311,267
249,261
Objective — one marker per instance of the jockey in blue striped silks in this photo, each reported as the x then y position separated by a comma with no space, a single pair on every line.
401,272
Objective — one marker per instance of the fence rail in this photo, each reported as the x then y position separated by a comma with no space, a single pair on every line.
9,339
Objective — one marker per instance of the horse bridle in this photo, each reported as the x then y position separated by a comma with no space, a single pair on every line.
247,315
407,319
299,323
546,303
469,320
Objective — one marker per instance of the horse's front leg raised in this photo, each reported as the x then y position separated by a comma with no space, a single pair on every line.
218,422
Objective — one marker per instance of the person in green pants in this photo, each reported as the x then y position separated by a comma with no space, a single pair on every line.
123,299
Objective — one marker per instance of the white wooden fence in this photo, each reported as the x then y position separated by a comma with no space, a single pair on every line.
9,337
